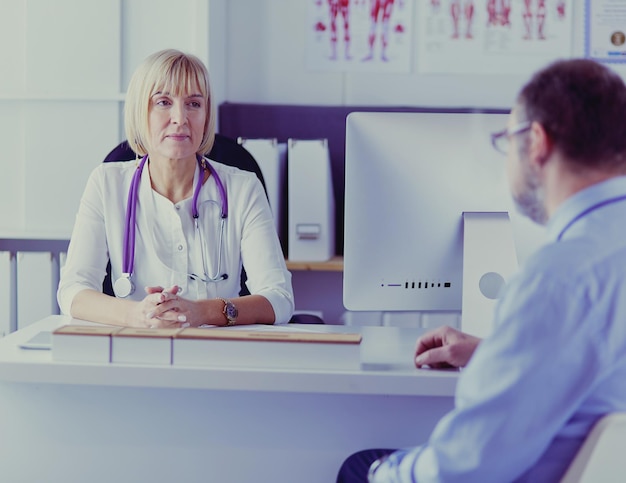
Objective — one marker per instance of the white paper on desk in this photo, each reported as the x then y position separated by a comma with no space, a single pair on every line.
41,340
264,328
74,321
257,327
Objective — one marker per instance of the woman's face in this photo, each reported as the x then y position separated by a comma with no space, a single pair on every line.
176,125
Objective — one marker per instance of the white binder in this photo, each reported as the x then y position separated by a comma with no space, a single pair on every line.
273,166
311,201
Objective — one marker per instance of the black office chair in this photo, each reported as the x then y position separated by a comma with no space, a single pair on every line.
226,151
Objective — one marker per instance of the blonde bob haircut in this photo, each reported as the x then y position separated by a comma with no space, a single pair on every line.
170,71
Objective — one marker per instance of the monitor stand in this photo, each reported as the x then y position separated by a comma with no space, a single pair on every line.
489,260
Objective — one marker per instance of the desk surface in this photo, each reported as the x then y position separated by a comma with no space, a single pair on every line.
386,368
241,425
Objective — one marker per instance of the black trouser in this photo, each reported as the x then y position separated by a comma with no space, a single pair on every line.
354,469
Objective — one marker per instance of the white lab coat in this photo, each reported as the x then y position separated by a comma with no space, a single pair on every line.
167,245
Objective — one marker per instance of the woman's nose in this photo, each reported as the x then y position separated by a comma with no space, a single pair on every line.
178,114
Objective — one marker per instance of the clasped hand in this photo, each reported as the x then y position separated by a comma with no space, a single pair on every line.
162,308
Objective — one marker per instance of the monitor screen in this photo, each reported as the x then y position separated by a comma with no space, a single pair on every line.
409,179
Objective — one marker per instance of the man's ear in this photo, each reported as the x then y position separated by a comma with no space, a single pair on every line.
540,146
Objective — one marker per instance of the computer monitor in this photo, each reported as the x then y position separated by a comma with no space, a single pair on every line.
412,181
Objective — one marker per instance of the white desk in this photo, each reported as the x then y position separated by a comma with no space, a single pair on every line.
104,422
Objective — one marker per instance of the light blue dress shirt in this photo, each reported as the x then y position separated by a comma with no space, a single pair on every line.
555,363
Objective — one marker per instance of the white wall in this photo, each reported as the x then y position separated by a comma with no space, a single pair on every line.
266,44
67,63
62,98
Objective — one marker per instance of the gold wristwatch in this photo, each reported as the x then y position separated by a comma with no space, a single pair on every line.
230,312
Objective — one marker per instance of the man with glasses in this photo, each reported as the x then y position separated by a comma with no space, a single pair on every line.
556,361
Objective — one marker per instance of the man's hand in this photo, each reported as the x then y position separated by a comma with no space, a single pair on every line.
445,347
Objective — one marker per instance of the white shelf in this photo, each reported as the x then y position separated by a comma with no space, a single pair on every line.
60,97
335,264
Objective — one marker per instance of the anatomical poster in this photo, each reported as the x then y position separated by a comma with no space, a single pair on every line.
492,36
360,35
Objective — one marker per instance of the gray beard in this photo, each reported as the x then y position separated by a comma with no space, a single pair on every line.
531,201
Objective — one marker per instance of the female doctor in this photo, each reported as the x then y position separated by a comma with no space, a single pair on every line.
176,226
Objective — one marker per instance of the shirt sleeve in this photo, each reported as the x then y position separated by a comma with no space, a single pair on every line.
85,264
520,388
262,256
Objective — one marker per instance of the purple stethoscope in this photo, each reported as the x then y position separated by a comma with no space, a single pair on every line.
124,285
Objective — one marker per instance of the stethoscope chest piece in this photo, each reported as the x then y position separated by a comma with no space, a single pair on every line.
123,286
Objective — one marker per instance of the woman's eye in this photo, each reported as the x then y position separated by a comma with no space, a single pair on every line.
162,102
195,104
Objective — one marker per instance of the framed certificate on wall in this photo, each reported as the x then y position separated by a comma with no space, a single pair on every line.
605,30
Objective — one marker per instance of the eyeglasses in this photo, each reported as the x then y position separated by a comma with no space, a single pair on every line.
500,140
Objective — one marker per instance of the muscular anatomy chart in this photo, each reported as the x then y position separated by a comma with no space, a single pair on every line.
360,35
492,36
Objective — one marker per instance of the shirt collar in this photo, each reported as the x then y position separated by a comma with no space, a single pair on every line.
578,203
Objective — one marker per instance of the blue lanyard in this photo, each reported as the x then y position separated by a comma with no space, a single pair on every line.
589,210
